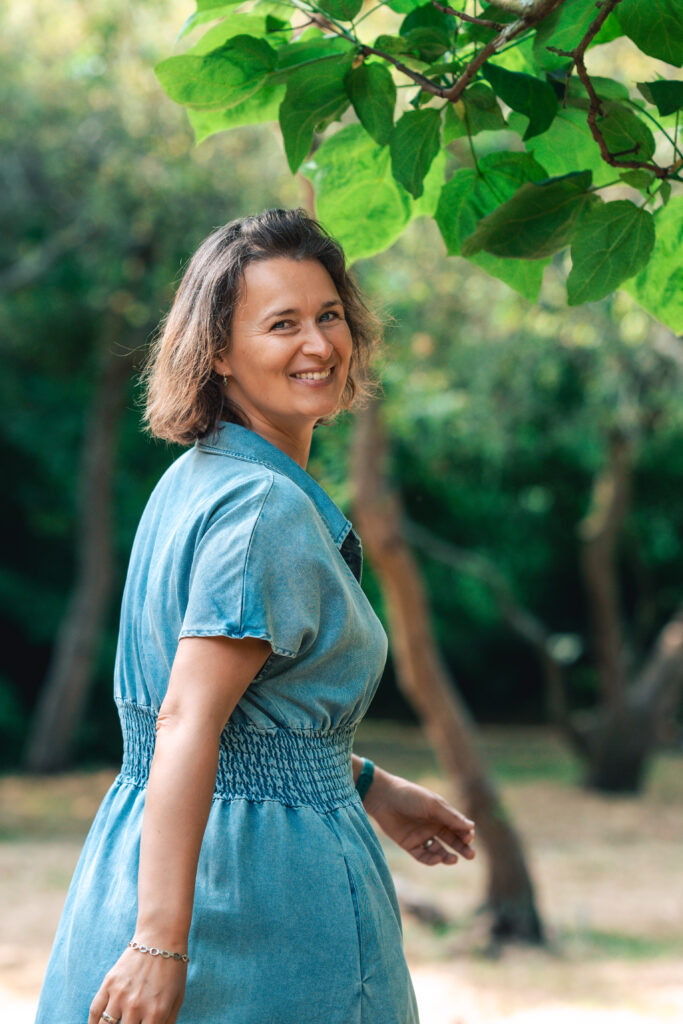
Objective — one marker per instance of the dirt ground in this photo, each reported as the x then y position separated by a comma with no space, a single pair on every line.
608,875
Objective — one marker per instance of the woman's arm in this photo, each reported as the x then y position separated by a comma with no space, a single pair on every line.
410,815
208,677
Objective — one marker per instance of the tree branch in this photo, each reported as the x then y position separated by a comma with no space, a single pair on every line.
522,621
469,18
421,80
660,682
532,13
577,56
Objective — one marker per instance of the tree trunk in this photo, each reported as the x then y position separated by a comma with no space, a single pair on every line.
424,680
599,533
64,692
619,745
618,737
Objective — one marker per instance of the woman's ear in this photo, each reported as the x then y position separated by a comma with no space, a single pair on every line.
221,366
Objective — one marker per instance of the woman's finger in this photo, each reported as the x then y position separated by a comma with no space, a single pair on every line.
454,819
432,853
98,1006
457,841
175,1010
111,1013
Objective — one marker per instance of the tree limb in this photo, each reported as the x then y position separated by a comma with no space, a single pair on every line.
661,680
577,56
469,18
531,12
520,619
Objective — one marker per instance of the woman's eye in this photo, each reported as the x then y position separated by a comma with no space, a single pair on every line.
332,313
280,323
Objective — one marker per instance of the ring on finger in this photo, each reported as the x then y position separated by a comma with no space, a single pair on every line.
108,1019
427,843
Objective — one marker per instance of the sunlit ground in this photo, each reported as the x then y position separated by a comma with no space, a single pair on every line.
607,872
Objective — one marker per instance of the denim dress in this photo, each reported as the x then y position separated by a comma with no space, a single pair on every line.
295,917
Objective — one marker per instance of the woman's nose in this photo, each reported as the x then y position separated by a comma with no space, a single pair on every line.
315,341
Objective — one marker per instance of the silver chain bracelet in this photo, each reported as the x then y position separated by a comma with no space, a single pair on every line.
153,951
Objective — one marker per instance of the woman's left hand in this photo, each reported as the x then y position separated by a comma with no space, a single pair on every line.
412,815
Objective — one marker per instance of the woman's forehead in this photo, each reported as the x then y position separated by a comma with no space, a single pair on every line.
284,284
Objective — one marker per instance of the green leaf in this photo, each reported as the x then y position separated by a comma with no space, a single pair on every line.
659,285
233,25
564,28
477,110
664,192
525,94
262,106
482,34
404,6
655,26
414,144
639,178
566,145
315,94
357,199
208,13
428,43
306,52
606,89
223,77
611,29
211,5
373,94
426,205
341,10
428,16
666,96
624,132
429,31
612,242
537,221
469,197
395,46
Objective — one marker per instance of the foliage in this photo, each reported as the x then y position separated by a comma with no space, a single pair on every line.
500,416
499,411
438,93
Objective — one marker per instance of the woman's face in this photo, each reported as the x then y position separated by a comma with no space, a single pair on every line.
290,348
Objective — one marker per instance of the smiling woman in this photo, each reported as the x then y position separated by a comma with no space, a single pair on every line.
281,372
231,872
247,282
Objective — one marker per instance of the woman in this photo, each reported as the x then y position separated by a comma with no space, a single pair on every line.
247,655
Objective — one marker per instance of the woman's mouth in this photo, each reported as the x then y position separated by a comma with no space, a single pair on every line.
314,374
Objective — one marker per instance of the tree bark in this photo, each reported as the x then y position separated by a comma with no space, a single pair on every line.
620,745
425,682
599,532
65,689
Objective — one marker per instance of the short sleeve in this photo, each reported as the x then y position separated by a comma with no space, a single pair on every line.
256,571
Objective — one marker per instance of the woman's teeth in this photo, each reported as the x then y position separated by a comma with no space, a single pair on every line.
313,376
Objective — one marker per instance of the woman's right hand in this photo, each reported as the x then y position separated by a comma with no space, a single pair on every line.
141,989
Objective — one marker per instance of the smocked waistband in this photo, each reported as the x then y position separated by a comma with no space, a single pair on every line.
295,767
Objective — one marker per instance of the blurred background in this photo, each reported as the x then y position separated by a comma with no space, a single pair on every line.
537,453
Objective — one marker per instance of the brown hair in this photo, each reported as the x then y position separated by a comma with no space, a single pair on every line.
182,393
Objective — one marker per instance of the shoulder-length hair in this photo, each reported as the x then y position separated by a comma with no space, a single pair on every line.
183,397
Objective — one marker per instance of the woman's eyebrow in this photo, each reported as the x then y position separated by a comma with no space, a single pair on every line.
286,312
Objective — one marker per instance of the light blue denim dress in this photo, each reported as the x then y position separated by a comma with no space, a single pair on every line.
295,915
